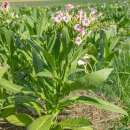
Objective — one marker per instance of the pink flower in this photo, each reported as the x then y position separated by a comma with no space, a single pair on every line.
66,18
57,18
78,40
81,15
82,32
85,22
60,13
93,11
77,27
5,5
69,7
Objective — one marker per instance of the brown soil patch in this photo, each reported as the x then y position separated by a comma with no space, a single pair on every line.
100,119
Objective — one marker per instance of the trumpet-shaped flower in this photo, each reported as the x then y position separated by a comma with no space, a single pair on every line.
78,40
77,27
57,18
66,18
85,22
93,11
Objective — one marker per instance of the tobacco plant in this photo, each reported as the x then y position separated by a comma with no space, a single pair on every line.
43,61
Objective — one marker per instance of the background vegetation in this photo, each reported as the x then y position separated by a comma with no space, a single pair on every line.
39,66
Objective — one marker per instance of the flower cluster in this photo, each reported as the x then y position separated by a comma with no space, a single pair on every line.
83,22
79,20
5,5
61,17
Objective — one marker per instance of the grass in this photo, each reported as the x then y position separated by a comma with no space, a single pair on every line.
61,2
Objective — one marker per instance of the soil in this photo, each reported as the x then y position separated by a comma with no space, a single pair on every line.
99,118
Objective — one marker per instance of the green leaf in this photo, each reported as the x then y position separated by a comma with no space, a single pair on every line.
28,102
29,21
49,59
98,77
10,86
52,41
42,123
82,81
45,73
37,61
42,24
58,127
92,101
66,37
20,119
8,35
74,123
3,70
6,111
84,128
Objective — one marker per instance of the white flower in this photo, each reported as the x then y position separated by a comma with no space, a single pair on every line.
69,6
66,18
77,27
85,22
81,62
78,40
93,11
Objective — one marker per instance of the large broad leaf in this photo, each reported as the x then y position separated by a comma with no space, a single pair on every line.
10,86
98,77
20,119
89,81
74,123
42,123
92,101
